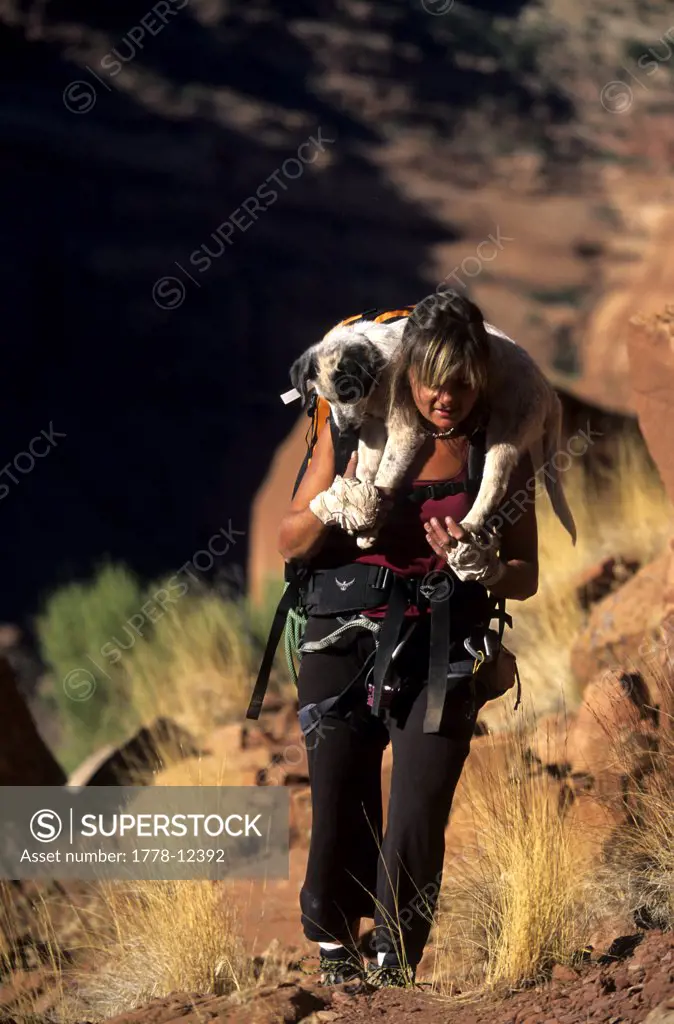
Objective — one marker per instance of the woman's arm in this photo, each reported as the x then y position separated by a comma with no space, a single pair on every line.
519,536
518,529
301,533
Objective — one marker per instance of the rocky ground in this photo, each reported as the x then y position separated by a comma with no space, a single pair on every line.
632,982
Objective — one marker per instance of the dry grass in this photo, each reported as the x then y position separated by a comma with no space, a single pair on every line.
29,942
134,941
158,937
197,665
515,901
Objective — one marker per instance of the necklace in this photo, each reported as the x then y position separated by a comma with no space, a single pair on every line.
441,433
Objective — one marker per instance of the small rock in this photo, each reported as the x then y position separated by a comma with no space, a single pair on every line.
637,972
663,1013
340,998
621,979
561,972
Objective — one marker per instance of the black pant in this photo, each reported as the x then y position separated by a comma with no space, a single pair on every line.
351,872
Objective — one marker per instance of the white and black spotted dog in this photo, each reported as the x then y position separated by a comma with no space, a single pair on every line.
350,368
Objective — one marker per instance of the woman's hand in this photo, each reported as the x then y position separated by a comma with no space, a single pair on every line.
471,555
443,538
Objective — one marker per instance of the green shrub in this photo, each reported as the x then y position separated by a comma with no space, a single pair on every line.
76,623
122,654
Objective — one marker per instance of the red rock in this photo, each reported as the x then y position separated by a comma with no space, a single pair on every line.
622,979
562,972
616,637
650,350
603,577
610,738
25,759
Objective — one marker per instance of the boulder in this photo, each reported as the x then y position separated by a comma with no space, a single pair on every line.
613,736
601,579
137,762
548,743
621,627
25,759
650,349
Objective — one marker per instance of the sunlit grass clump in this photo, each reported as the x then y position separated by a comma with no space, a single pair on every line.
514,902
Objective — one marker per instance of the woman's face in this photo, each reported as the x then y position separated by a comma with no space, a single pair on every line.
446,406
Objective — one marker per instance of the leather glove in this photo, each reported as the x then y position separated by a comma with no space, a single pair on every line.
477,560
352,504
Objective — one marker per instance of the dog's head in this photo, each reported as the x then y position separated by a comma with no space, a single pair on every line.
347,372
345,367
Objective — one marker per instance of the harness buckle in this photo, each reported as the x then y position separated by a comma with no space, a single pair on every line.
381,577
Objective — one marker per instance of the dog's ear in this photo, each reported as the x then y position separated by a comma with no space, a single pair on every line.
357,372
303,373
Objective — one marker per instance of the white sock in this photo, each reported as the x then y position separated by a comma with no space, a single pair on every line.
380,958
330,945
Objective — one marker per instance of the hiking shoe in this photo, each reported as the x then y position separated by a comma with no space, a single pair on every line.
338,966
390,975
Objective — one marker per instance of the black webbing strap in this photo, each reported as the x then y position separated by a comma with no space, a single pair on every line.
434,492
438,662
310,715
343,444
504,618
289,600
388,637
476,454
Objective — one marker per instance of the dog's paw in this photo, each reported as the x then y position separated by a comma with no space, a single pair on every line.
469,526
365,540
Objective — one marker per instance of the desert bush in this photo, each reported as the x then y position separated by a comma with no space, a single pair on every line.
76,623
122,654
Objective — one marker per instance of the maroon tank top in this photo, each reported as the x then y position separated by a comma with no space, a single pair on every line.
401,544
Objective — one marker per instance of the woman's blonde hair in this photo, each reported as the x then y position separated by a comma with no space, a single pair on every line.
444,338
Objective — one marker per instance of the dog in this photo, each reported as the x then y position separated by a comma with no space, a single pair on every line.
350,368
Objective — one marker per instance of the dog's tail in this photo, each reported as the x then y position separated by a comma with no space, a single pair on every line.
552,434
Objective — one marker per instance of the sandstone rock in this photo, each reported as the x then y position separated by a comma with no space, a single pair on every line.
600,579
591,823
617,633
24,757
650,350
612,735
548,745
138,760
561,972
608,931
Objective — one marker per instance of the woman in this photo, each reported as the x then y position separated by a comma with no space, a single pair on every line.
353,870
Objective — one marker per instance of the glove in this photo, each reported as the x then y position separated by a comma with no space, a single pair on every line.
477,560
352,504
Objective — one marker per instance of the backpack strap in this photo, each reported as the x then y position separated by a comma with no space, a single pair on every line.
476,456
343,444
289,599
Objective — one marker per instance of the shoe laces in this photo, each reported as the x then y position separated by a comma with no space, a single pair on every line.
389,975
330,968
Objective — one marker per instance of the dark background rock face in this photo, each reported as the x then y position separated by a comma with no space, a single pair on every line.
171,415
